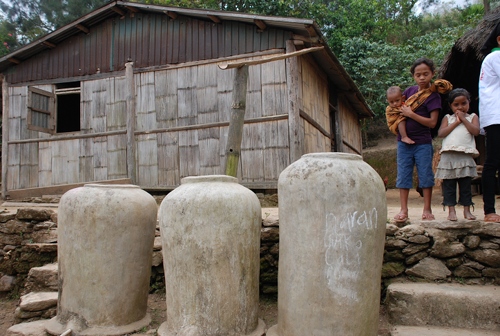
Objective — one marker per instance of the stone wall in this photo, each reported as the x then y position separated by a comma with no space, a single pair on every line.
463,251
28,238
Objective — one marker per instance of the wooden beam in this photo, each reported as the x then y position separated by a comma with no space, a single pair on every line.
314,123
305,38
236,121
14,60
214,18
298,43
261,24
296,135
49,44
119,11
310,29
5,134
130,103
239,64
82,28
58,189
132,10
170,14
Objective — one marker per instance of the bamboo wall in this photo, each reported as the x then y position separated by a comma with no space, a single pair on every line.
350,128
313,102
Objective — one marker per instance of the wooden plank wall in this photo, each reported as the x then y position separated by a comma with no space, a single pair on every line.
46,163
148,39
194,96
173,108
351,128
314,102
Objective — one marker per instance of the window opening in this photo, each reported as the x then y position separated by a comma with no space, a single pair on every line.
68,107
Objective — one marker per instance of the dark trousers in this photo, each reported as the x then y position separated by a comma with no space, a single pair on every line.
450,192
491,166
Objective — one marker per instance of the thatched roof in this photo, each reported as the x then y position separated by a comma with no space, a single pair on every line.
463,64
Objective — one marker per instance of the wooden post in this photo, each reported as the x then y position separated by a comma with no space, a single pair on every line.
131,166
237,119
5,134
292,80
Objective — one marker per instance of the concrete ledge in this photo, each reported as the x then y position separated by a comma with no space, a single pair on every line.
435,331
445,305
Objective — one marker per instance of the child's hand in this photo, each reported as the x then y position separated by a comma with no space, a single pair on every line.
406,111
460,116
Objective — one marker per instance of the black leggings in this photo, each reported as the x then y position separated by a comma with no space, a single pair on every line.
491,166
450,192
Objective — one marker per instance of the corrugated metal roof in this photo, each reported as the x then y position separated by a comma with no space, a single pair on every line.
305,27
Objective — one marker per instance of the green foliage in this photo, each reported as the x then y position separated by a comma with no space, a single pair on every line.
374,66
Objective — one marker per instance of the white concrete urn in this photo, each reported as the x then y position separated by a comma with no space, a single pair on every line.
332,210
210,228
105,246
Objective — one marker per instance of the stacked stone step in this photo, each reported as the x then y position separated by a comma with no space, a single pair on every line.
443,309
40,298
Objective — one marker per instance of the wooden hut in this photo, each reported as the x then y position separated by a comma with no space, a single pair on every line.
132,93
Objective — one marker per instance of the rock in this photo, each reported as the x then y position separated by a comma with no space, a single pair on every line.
7,283
270,234
495,240
489,245
270,219
38,215
395,255
392,269
35,328
415,258
42,279
445,249
157,258
44,236
8,248
15,227
44,226
414,248
419,239
7,216
491,272
393,243
474,265
412,230
488,257
24,315
463,271
488,229
390,229
472,242
157,246
429,268
36,301
454,262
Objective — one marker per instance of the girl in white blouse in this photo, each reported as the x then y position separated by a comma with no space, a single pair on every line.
457,165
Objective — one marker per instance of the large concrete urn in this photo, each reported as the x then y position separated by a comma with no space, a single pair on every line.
210,228
332,210
105,246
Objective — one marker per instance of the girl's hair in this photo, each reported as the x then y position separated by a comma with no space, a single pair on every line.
422,60
458,93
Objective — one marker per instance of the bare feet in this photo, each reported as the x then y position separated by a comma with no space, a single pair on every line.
452,215
407,140
468,215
